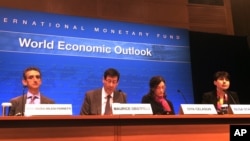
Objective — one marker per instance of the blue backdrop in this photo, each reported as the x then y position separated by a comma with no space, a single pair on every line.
73,52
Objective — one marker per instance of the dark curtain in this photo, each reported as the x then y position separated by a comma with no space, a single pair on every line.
214,52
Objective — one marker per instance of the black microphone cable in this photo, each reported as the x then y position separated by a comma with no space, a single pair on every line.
23,102
179,91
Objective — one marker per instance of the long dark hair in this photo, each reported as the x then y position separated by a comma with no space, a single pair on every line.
153,83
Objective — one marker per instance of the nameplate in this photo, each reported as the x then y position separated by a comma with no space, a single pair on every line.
239,109
48,109
197,109
134,109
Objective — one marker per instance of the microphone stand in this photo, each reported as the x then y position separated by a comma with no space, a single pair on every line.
22,112
234,102
225,110
179,91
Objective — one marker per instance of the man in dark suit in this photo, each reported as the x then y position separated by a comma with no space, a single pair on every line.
96,101
32,80
221,95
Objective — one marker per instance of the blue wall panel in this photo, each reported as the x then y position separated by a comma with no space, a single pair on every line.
73,52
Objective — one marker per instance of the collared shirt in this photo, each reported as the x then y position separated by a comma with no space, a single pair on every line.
104,100
30,95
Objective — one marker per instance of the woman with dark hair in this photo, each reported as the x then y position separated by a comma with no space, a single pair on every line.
220,95
157,97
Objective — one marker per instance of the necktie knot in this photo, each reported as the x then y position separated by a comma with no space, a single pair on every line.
108,97
32,99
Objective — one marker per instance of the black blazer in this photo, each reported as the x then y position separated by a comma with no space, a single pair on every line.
211,98
157,107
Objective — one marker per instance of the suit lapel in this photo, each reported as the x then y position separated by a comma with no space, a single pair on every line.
22,102
43,100
214,98
115,98
98,103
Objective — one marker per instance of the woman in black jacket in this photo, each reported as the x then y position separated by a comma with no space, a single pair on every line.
157,97
221,95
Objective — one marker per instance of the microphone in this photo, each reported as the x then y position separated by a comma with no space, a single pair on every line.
229,93
121,92
179,91
123,95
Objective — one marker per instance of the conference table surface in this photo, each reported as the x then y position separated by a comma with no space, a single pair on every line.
120,127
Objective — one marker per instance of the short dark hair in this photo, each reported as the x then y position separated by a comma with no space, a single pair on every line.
221,74
29,69
111,72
